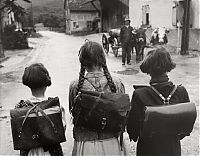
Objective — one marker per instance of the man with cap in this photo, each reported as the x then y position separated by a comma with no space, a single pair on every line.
126,38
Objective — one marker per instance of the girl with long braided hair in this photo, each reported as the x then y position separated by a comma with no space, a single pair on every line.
94,76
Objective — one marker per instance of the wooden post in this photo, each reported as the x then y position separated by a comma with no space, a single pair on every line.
1,33
185,30
101,19
178,38
68,17
32,18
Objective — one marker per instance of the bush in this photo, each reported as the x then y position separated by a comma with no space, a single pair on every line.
51,20
13,39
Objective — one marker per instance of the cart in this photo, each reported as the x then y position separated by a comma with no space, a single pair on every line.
112,40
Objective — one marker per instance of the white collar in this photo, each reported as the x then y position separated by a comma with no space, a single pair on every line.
37,99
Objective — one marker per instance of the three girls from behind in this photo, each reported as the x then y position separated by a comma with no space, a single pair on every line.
157,63
37,78
93,61
86,142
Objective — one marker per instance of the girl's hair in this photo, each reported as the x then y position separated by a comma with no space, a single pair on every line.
36,76
92,54
157,62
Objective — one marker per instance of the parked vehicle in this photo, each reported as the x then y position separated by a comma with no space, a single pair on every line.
113,41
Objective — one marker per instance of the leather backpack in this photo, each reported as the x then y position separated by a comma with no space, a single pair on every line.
167,119
38,125
100,111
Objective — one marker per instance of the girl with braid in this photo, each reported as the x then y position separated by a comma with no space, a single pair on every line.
94,76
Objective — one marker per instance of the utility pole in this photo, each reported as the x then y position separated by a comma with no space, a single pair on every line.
185,30
32,20
68,17
1,31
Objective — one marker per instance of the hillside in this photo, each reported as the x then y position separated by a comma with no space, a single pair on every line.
54,7
38,2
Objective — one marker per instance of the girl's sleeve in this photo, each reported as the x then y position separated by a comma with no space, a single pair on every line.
72,94
120,86
183,94
184,98
186,95
63,117
134,118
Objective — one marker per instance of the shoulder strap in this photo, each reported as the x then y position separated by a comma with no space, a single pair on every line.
97,89
165,100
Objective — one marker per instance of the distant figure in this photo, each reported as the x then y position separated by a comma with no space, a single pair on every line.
140,43
159,36
126,40
37,78
154,37
157,64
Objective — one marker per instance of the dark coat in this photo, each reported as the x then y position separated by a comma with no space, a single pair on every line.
126,34
145,96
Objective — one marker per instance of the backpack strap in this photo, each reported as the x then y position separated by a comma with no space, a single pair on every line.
165,100
97,89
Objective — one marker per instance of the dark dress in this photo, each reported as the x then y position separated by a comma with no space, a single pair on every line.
145,96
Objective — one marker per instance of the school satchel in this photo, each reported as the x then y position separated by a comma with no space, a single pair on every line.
100,111
37,126
176,119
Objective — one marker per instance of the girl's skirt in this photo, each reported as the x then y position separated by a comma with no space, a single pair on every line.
99,147
38,152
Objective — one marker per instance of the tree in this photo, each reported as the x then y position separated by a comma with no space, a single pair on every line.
1,34
10,6
51,20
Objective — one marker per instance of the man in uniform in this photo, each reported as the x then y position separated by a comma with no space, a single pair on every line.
126,38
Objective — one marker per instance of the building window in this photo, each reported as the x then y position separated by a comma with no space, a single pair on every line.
89,24
75,25
147,18
174,15
145,15
177,13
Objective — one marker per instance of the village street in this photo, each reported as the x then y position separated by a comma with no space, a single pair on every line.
59,53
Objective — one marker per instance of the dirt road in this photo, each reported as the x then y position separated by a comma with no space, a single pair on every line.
59,53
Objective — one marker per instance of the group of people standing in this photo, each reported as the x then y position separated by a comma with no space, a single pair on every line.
94,73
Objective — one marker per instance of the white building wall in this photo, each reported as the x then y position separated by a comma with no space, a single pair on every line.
135,12
81,19
195,13
161,13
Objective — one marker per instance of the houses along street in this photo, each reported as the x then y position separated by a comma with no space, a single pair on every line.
59,53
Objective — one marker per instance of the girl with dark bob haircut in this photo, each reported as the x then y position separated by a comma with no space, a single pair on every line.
94,75
157,62
36,76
